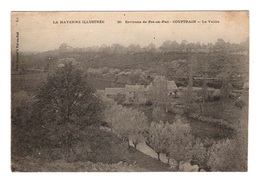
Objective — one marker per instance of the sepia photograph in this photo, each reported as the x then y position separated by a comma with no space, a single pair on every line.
129,91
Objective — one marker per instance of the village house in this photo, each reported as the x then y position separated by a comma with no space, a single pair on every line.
140,93
111,92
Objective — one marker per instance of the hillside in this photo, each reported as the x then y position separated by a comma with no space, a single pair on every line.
143,60
101,151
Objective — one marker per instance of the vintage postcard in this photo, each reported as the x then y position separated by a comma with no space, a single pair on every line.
129,91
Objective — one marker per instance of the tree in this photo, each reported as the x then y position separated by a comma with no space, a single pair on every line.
150,48
188,96
159,93
118,48
133,48
65,105
166,46
220,46
222,156
63,47
126,122
199,153
175,140
158,114
203,69
175,46
231,154
228,70
157,138
180,141
183,45
135,76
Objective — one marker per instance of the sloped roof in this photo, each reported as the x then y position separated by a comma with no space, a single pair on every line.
171,85
149,87
114,91
134,88
159,78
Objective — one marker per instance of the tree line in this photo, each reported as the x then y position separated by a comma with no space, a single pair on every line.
168,46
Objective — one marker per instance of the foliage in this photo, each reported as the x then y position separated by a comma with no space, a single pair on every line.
175,140
65,106
135,75
180,141
158,138
68,97
23,137
221,156
125,121
158,114
231,154
189,100
21,106
158,94
200,153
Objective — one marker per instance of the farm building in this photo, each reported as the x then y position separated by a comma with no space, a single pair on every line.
139,92
160,83
110,92
136,92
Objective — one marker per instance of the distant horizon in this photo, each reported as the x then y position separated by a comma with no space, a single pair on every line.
109,45
46,31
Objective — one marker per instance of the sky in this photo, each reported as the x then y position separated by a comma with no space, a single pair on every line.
38,31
